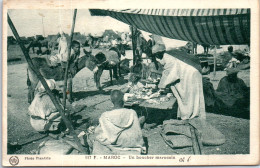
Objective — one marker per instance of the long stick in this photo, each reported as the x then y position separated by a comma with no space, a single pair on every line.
133,44
68,60
43,27
215,55
45,85
195,142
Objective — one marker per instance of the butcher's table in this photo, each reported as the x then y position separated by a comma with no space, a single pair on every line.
164,105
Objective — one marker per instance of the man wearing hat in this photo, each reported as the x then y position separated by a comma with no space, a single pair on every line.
184,76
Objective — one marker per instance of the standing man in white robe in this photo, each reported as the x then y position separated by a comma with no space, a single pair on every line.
186,84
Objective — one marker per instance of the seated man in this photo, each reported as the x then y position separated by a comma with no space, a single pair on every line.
233,94
118,131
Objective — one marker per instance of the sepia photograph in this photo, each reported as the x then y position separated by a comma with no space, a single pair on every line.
164,86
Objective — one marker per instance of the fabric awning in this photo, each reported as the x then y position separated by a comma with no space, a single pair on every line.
203,26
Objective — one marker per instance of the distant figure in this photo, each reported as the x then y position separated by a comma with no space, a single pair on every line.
233,62
123,37
191,47
206,48
39,42
62,48
228,56
139,44
54,42
62,56
118,132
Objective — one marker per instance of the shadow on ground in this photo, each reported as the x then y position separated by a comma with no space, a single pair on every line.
120,81
237,113
156,116
83,94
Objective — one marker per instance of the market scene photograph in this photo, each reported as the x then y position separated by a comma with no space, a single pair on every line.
128,81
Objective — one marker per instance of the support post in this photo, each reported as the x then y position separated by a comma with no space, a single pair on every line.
43,27
68,61
133,44
215,55
45,85
196,141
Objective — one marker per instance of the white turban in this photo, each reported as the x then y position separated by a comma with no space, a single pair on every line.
51,83
158,48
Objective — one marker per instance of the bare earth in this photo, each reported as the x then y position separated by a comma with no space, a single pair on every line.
235,129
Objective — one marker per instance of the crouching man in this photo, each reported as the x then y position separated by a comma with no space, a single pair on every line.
118,132
44,117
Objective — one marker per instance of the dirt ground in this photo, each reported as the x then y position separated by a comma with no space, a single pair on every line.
92,103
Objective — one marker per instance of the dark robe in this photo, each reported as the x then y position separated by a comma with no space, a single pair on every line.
233,95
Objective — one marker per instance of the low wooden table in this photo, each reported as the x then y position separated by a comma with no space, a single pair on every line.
167,105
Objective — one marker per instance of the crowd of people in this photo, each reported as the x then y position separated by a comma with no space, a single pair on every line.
119,130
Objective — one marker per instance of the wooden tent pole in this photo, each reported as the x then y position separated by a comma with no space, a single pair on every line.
68,61
215,55
45,85
196,141
133,44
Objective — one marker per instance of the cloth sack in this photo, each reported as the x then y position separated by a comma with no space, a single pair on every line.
109,149
176,133
54,147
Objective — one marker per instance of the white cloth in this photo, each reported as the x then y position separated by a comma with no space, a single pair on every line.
158,48
157,39
188,91
114,43
119,130
41,110
63,49
55,59
50,82
232,63
135,88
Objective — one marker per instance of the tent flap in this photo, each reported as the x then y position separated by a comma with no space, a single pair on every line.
202,26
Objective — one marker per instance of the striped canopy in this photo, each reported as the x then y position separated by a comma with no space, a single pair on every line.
202,26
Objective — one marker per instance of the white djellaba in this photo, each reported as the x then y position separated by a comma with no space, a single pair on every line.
42,109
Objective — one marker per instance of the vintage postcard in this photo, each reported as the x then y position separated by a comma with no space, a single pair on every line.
130,83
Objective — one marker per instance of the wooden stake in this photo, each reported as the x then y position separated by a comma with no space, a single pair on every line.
133,44
215,55
68,60
196,142
45,85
